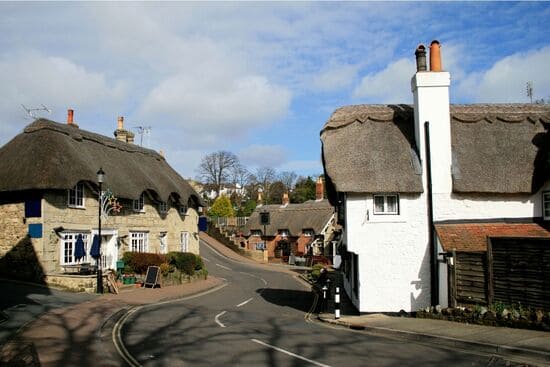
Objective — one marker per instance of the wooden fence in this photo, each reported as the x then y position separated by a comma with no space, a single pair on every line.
229,221
512,271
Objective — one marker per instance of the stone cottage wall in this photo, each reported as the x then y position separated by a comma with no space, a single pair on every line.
56,213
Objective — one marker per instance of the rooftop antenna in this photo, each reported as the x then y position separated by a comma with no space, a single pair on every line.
32,111
143,130
530,90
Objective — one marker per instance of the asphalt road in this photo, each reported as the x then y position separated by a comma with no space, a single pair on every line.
260,319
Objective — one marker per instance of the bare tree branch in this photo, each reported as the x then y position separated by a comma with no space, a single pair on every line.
215,168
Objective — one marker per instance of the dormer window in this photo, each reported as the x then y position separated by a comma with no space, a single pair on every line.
256,233
139,204
308,232
386,204
183,210
163,207
283,232
546,205
76,196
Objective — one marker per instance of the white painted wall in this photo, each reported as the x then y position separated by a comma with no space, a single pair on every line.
393,253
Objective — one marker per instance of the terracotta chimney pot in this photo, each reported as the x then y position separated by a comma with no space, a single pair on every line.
435,56
120,123
70,115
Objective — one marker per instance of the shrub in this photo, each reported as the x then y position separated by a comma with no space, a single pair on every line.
186,262
316,272
138,262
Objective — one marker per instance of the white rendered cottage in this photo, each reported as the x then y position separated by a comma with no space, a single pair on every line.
402,175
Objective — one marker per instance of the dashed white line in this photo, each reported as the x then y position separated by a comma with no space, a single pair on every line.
205,259
245,302
289,353
217,319
223,267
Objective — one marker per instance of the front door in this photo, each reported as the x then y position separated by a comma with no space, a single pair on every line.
109,248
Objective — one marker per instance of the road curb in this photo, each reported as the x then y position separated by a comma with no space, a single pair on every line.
534,356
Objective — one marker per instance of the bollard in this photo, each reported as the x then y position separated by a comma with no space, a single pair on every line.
337,303
324,306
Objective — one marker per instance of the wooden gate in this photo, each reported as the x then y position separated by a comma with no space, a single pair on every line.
519,271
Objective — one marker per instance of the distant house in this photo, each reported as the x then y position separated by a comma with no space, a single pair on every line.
292,229
49,197
414,185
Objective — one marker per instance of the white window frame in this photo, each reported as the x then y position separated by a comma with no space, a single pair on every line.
308,232
75,196
184,241
546,205
163,207
183,210
139,242
163,237
67,248
139,204
256,233
386,210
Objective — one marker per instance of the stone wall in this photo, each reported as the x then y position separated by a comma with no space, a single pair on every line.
80,283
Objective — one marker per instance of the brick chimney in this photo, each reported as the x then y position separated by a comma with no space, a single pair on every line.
122,134
260,200
70,118
285,200
431,104
319,189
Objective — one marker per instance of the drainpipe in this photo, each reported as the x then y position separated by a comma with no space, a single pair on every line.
434,269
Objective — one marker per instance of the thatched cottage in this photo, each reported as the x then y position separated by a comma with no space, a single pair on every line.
430,196
49,200
290,230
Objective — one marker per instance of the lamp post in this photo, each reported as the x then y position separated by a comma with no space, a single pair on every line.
100,177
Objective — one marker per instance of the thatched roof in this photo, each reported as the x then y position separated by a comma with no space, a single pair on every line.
496,148
50,155
294,217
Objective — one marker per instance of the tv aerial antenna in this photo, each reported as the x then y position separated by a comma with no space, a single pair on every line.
143,130
33,112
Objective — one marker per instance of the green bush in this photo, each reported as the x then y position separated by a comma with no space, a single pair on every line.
138,262
316,271
186,262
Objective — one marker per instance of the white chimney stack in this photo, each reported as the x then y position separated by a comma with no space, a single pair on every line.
431,104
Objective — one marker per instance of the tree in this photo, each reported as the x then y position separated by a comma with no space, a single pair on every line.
247,209
264,177
276,191
288,178
215,168
304,190
222,207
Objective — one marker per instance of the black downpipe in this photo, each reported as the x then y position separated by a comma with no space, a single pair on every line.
434,273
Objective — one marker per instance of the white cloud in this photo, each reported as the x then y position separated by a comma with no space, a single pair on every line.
216,103
505,81
33,79
391,85
263,155
335,77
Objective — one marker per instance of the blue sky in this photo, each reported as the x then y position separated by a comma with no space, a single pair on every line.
257,79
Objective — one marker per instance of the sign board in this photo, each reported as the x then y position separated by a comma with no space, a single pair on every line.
152,276
264,218
260,246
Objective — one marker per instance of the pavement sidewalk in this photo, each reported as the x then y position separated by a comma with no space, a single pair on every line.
518,345
70,336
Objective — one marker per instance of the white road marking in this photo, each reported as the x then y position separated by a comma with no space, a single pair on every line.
223,267
245,302
254,276
289,353
217,319
205,259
